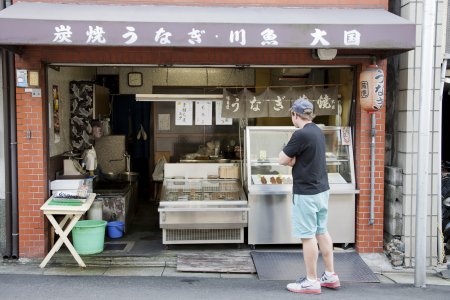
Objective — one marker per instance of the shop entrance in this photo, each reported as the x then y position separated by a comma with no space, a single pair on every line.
130,135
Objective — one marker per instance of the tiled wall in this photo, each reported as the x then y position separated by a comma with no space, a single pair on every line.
407,135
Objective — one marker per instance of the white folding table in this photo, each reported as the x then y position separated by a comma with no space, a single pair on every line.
71,214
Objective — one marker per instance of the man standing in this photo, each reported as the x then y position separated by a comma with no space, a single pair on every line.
305,153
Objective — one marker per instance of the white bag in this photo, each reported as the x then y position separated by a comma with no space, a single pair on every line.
158,173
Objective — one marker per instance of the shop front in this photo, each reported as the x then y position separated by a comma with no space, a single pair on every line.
199,58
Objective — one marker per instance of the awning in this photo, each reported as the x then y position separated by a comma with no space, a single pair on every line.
26,23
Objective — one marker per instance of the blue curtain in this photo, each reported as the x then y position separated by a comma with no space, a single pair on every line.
128,115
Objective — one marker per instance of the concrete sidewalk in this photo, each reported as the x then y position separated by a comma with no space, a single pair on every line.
165,265
381,266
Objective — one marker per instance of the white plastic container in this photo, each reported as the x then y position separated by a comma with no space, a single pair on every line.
69,186
96,210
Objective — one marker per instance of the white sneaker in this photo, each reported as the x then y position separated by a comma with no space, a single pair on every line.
304,286
331,281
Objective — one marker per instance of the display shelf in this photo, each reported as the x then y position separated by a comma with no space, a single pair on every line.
271,179
198,190
265,143
194,211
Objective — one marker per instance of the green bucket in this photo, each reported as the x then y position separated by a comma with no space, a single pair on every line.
89,236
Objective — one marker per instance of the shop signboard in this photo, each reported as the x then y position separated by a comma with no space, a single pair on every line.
190,26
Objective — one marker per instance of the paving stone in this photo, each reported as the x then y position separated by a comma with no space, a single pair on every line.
20,269
134,271
172,272
408,278
238,276
71,271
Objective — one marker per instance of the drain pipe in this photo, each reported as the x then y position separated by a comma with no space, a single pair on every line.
7,253
10,127
10,156
7,154
7,182
13,157
372,168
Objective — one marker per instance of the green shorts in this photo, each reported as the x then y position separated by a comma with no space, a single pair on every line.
309,214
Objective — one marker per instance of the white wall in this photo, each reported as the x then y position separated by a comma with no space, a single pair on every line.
407,134
184,77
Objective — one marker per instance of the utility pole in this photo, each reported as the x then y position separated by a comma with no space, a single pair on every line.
423,152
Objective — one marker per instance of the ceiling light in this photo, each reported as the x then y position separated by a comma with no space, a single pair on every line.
326,54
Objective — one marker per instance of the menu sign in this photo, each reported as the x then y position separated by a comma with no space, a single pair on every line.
183,112
203,112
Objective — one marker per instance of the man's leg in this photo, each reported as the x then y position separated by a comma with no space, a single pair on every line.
304,225
326,248
329,279
310,255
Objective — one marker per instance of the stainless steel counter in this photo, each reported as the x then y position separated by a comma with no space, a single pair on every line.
221,160
119,200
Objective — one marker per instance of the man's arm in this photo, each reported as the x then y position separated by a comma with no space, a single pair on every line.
285,160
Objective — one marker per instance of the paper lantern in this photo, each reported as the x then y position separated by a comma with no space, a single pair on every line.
371,86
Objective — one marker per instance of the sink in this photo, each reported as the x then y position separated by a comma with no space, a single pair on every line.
129,176
110,187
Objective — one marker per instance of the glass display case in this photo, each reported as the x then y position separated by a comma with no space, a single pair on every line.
265,143
200,203
201,190
269,184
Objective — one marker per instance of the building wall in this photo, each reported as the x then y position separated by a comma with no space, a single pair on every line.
32,117
407,133
2,165
369,236
32,167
